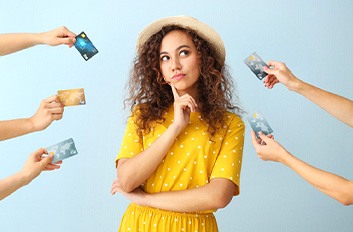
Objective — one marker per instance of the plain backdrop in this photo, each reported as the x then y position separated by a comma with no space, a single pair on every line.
314,39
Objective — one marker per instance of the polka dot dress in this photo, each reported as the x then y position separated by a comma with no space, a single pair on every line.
192,161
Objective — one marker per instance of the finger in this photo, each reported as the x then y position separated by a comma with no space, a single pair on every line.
72,40
56,110
194,102
190,102
40,151
50,99
267,79
254,140
114,188
58,162
68,32
273,63
68,40
264,138
273,83
50,167
269,70
46,160
186,102
57,116
53,106
175,93
38,154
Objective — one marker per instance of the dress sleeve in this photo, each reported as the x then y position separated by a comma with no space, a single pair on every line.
229,160
132,143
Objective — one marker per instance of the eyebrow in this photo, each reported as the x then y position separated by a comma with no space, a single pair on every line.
178,48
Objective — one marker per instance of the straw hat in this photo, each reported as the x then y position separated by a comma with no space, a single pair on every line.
202,29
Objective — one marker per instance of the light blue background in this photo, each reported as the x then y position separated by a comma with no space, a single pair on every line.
314,38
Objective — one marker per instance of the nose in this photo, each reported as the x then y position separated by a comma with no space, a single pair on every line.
175,64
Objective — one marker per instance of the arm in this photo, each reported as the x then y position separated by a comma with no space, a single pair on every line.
339,107
50,109
34,165
216,194
132,172
330,184
10,43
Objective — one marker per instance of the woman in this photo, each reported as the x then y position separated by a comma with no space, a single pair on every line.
181,154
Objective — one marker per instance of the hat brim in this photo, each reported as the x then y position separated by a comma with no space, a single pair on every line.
202,29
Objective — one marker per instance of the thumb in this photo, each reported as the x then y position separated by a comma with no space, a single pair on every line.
68,40
253,138
269,70
46,160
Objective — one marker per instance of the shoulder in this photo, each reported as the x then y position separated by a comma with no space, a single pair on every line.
234,119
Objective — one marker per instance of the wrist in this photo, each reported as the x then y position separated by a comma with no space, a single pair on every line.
31,125
175,129
297,85
285,157
35,39
22,178
147,200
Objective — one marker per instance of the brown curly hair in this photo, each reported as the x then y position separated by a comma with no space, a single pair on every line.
153,96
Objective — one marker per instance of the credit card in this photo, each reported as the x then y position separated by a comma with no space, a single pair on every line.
62,150
72,97
256,65
259,123
84,45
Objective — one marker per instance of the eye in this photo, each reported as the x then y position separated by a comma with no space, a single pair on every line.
184,53
164,58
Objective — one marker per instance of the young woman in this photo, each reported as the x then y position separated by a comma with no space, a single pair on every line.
181,154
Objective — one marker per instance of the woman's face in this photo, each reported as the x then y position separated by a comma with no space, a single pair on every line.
179,62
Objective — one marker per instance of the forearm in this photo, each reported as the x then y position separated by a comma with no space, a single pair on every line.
338,106
332,185
214,195
11,184
135,171
10,43
14,128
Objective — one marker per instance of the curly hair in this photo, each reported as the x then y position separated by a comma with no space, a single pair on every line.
153,96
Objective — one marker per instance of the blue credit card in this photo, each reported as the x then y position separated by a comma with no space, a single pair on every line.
259,123
256,65
62,150
84,45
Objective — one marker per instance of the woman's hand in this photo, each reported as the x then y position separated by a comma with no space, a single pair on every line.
183,106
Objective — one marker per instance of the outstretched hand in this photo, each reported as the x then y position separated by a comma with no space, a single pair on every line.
50,109
36,163
279,73
266,147
58,36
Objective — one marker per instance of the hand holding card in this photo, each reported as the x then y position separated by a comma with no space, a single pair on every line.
259,123
256,64
62,150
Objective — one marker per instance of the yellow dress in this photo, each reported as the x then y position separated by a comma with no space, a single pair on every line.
192,161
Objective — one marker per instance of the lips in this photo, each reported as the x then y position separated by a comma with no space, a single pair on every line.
178,76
